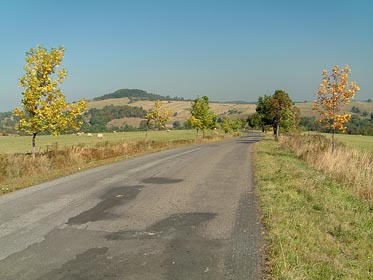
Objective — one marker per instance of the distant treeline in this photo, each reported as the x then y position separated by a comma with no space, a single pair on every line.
96,120
137,94
356,126
8,123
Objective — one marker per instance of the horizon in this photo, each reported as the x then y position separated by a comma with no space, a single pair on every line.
226,50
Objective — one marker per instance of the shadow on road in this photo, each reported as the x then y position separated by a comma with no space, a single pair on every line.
250,137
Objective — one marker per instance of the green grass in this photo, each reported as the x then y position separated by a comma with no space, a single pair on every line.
359,142
22,144
316,228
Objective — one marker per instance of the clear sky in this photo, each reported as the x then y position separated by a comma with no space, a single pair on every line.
227,50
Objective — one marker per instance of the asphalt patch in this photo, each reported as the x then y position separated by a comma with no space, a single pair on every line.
112,198
81,267
161,180
187,254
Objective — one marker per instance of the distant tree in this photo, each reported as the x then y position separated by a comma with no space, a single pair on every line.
44,105
281,112
263,113
158,116
254,121
334,92
229,125
355,109
308,123
202,116
177,125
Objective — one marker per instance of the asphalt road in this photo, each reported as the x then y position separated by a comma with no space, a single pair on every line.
188,213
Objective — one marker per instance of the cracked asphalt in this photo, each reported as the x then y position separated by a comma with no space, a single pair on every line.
187,213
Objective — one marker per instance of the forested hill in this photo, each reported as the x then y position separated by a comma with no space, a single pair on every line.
137,94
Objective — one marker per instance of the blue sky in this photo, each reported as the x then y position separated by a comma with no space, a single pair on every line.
227,50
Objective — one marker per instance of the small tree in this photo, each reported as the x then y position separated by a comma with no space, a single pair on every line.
157,116
334,92
44,105
202,116
281,112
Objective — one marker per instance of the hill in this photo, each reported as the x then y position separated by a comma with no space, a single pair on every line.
135,94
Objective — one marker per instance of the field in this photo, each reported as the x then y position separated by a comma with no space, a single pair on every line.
22,144
359,142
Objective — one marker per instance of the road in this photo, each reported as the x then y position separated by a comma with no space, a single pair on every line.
187,213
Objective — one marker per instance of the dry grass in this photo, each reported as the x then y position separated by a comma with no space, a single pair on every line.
349,166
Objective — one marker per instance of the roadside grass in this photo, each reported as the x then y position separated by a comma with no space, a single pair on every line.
347,165
22,144
316,228
21,170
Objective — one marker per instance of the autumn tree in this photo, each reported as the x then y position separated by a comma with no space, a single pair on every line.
202,116
281,112
44,108
334,92
157,116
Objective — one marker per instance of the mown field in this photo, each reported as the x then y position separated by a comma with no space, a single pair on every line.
317,226
22,144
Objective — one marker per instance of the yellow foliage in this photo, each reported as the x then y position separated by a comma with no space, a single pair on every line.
158,115
334,92
44,106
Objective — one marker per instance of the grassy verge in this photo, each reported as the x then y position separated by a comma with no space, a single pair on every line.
316,227
18,171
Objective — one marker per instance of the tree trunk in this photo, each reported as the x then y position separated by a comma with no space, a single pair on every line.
277,131
333,140
197,134
33,144
203,134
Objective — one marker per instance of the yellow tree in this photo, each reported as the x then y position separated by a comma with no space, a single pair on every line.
334,92
44,108
157,116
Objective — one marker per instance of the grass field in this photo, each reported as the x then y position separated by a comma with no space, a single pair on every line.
22,144
316,228
359,142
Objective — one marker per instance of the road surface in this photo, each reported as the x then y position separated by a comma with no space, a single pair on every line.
187,213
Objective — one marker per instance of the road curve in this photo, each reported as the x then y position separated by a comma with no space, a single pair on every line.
187,213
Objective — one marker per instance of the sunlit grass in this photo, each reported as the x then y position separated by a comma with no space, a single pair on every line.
316,227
